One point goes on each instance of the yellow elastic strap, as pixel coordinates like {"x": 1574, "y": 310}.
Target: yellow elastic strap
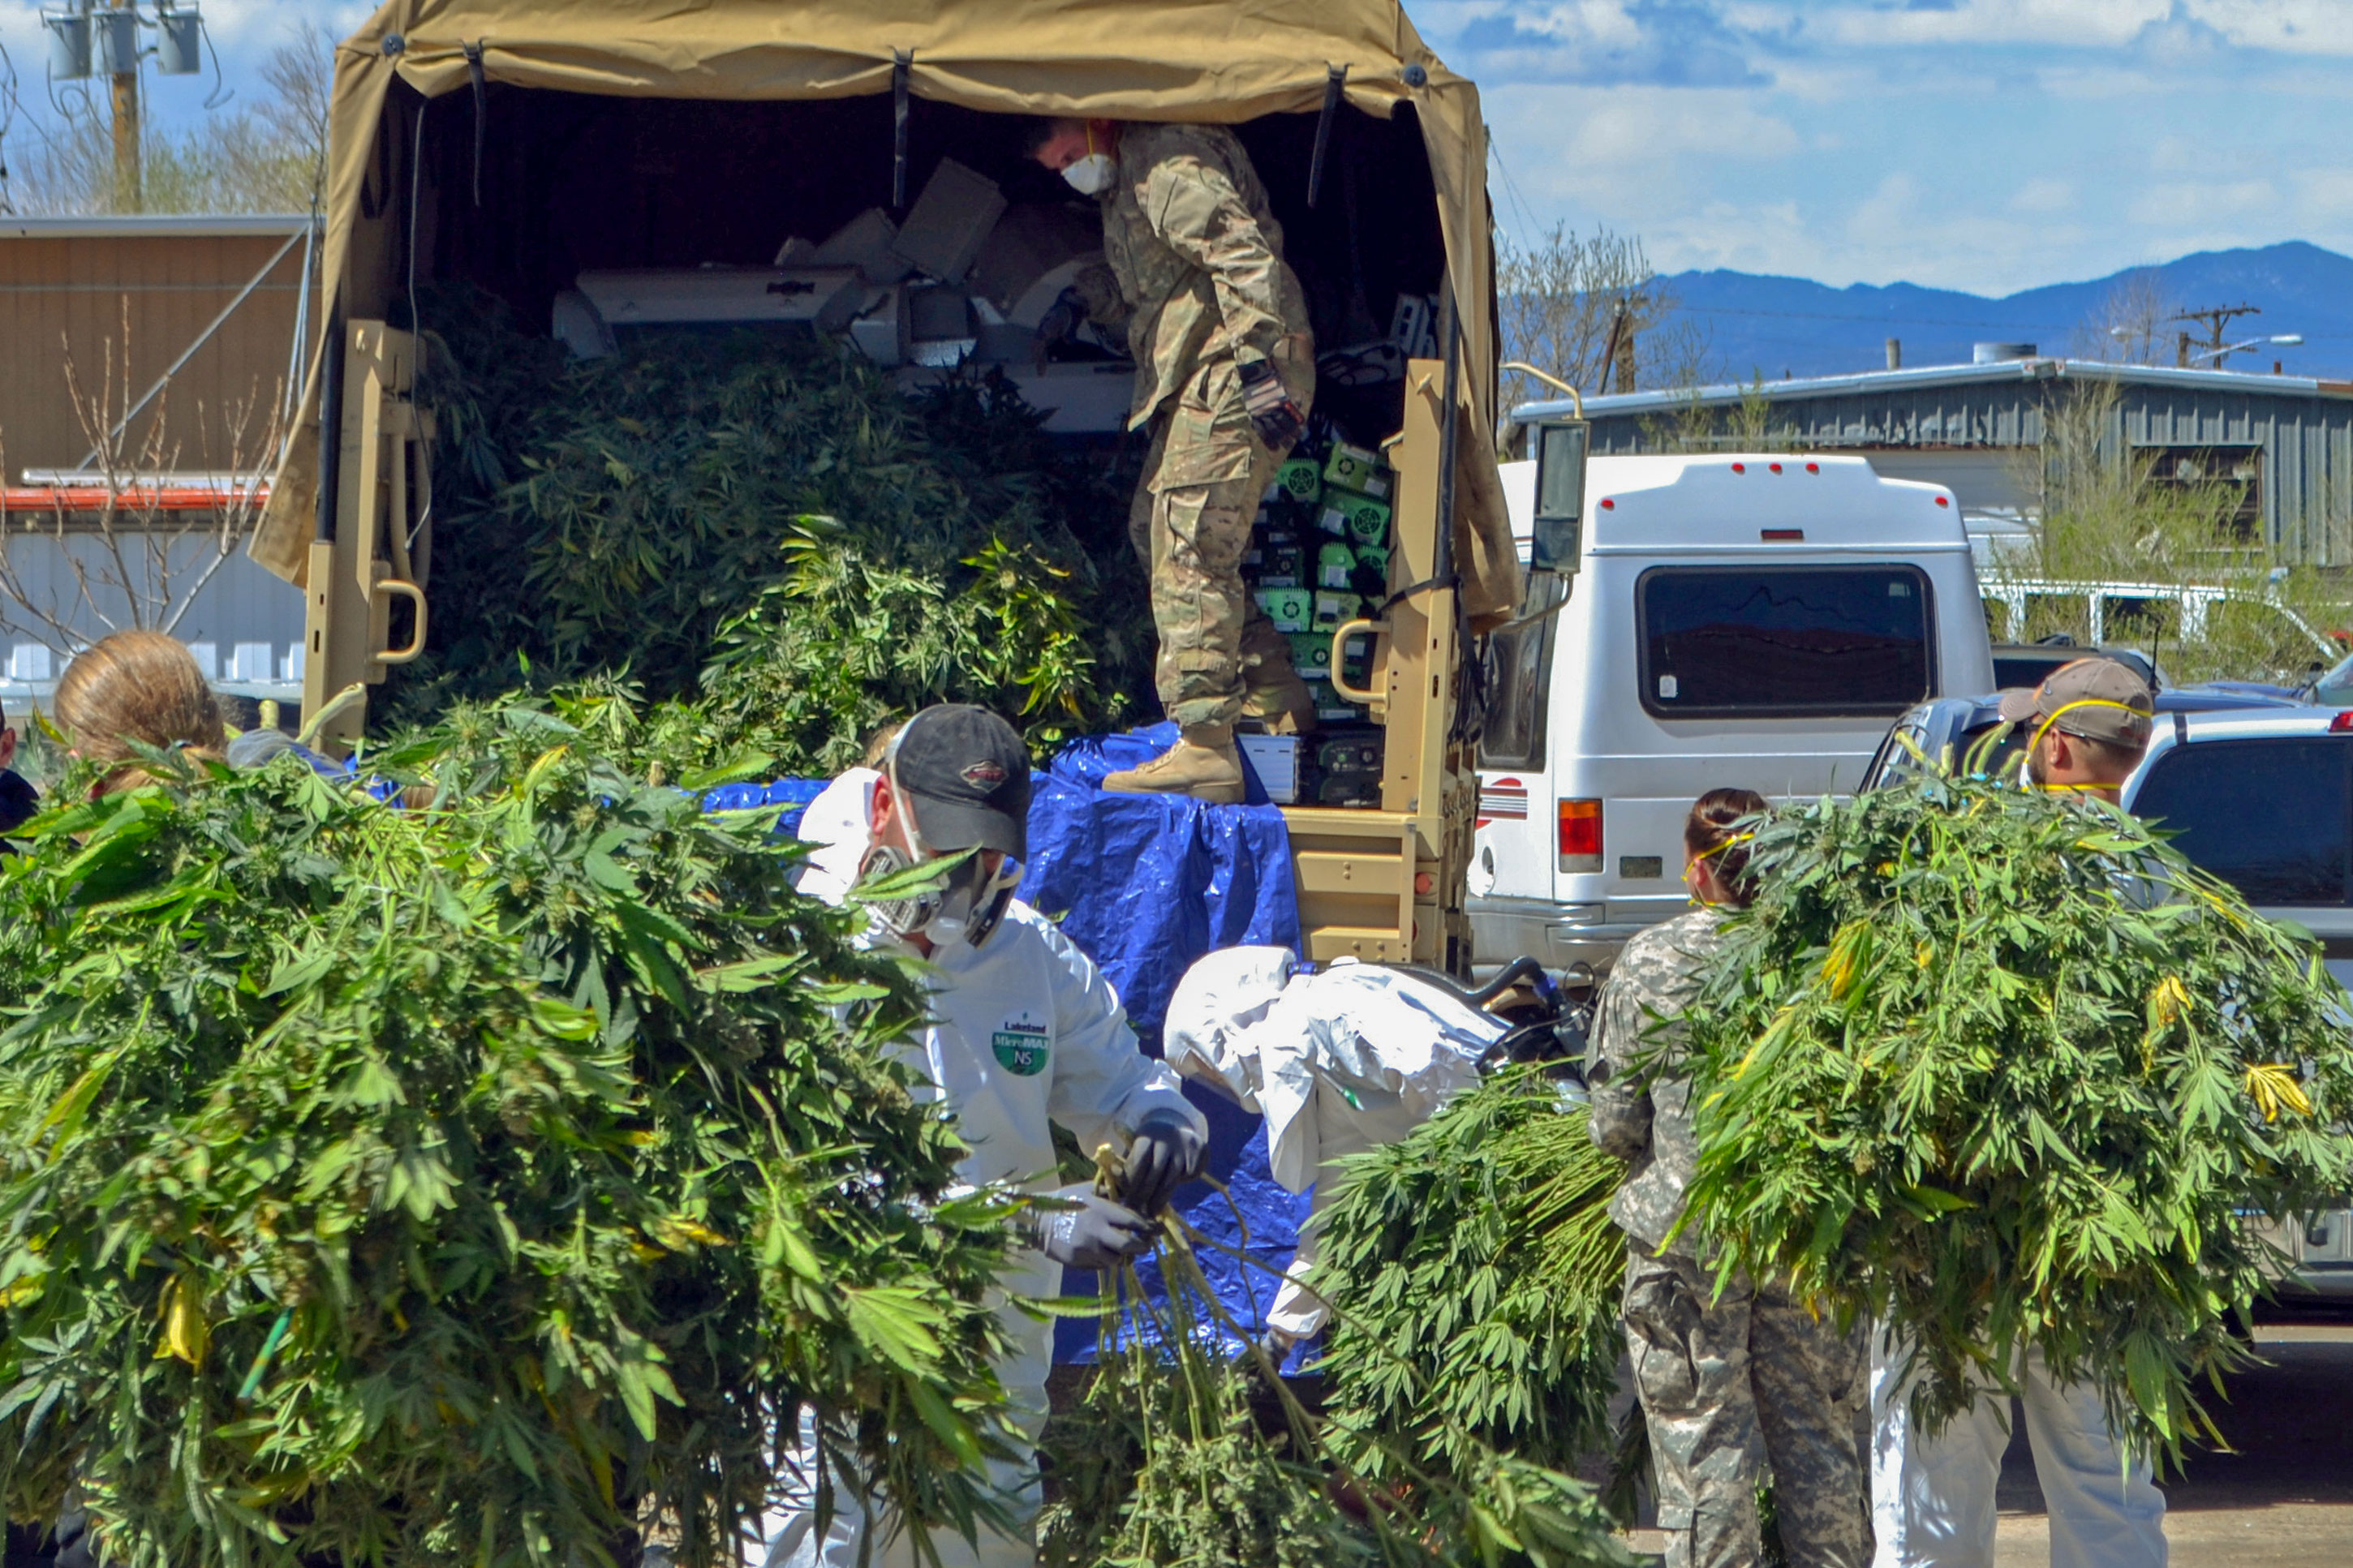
{"x": 1708, "y": 854}
{"x": 1736, "y": 838}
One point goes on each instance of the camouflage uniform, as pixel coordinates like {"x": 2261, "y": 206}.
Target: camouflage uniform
{"x": 1197, "y": 275}
{"x": 1716, "y": 1374}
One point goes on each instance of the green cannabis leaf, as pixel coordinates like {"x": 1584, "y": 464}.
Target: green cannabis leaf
{"x": 2002, "y": 1070}
{"x": 472, "y": 1181}
{"x": 1476, "y": 1274}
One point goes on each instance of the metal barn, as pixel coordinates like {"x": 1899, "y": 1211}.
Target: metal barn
{"x": 2287, "y": 441}
{"x": 187, "y": 325}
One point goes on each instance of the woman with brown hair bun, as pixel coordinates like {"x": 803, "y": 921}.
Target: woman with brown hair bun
{"x": 1714, "y": 1372}
{"x": 140, "y": 686}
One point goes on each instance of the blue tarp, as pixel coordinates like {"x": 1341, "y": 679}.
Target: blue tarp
{"x": 793, "y": 795}
{"x": 1145, "y": 885}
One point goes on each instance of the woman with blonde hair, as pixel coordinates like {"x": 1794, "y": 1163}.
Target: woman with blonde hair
{"x": 137, "y": 687}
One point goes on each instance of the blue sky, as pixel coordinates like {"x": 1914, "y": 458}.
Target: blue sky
{"x": 1980, "y": 144}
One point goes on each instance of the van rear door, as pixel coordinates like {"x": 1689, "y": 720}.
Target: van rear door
{"x": 1776, "y": 676}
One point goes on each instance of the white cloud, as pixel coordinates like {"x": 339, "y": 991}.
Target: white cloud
{"x": 2079, "y": 23}
{"x": 2044, "y": 194}
{"x": 1615, "y": 148}
{"x": 2175, "y": 203}
{"x": 2324, "y": 195}
{"x": 2289, "y": 27}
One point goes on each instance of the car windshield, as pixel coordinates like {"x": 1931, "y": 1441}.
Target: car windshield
{"x": 1896, "y": 760}
{"x": 2335, "y": 689}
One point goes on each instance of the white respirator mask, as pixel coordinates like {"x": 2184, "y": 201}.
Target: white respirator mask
{"x": 1093, "y": 174}
{"x": 967, "y": 905}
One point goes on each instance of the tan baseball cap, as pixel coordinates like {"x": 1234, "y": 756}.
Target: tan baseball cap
{"x": 2097, "y": 699}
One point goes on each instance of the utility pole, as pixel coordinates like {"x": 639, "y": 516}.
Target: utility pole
{"x": 127, "y": 195}
{"x": 2217, "y": 320}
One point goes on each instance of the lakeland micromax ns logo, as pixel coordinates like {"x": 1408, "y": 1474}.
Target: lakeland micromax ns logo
{"x": 1021, "y": 1045}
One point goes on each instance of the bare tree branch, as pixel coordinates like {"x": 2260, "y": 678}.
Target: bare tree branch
{"x": 132, "y": 562}
{"x": 1590, "y": 310}
{"x": 2129, "y": 325}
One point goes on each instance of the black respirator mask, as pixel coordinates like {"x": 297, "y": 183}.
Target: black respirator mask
{"x": 965, "y": 905}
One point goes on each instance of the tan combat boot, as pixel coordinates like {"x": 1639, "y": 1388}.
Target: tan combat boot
{"x": 1281, "y": 705}
{"x": 1203, "y": 764}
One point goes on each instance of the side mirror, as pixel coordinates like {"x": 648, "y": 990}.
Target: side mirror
{"x": 1561, "y": 450}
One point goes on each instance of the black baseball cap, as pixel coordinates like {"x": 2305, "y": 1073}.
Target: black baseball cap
{"x": 966, "y": 775}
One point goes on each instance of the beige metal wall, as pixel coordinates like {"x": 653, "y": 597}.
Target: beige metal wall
{"x": 65, "y": 286}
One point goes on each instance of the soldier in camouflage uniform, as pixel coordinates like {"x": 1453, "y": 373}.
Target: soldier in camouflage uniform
{"x": 1717, "y": 1376}
{"x": 1225, "y": 373}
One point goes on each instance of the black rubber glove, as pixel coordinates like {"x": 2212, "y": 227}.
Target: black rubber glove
{"x": 1059, "y": 324}
{"x": 1085, "y": 1231}
{"x": 1277, "y": 419}
{"x": 1164, "y": 1154}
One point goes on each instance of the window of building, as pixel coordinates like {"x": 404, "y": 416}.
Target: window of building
{"x": 1742, "y": 642}
{"x": 2238, "y": 471}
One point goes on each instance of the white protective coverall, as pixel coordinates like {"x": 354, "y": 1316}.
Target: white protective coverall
{"x": 1339, "y": 1062}
{"x": 1026, "y": 1029}
{"x": 1932, "y": 1498}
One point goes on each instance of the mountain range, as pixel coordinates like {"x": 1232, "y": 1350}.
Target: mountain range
{"x": 1760, "y": 325}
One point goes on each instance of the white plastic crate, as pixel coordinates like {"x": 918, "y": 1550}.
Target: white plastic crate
{"x": 1275, "y": 759}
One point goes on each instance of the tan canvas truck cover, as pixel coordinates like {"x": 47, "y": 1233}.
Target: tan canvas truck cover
{"x": 1219, "y": 61}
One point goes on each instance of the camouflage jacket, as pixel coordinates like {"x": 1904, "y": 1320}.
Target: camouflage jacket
{"x": 1196, "y": 259}
{"x": 1641, "y": 1104}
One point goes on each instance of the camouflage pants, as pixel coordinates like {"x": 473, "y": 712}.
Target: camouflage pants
{"x": 1715, "y": 1377}
{"x": 1190, "y": 525}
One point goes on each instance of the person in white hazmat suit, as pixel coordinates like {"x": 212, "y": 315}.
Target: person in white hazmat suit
{"x": 1339, "y": 1061}
{"x": 1933, "y": 1497}
{"x": 1025, "y": 1030}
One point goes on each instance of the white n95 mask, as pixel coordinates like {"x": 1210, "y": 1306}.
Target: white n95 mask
{"x": 1091, "y": 175}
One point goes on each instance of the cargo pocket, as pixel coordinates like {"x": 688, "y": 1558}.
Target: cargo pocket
{"x": 1209, "y": 440}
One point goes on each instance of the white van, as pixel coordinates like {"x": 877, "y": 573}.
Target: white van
{"x": 1733, "y": 619}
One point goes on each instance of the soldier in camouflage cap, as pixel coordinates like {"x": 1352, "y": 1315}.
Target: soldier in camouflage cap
{"x": 1225, "y": 373}
{"x": 1716, "y": 1374}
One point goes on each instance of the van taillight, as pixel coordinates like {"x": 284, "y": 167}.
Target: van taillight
{"x": 1580, "y": 835}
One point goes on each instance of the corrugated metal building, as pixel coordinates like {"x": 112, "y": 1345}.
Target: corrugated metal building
{"x": 72, "y": 284}
{"x": 216, "y": 303}
{"x": 1976, "y": 428}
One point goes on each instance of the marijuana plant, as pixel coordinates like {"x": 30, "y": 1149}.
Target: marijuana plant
{"x": 2002, "y": 1071}
{"x": 474, "y": 1179}
{"x": 1475, "y": 1275}
{"x": 775, "y": 523}
{"x": 1178, "y": 1456}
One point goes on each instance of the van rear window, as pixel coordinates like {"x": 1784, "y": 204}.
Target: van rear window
{"x": 1758, "y": 642}
{"x": 2273, "y": 818}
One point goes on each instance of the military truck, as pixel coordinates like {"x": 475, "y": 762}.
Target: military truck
{"x": 541, "y": 149}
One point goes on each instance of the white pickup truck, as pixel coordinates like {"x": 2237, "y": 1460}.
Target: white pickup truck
{"x": 1733, "y": 619}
